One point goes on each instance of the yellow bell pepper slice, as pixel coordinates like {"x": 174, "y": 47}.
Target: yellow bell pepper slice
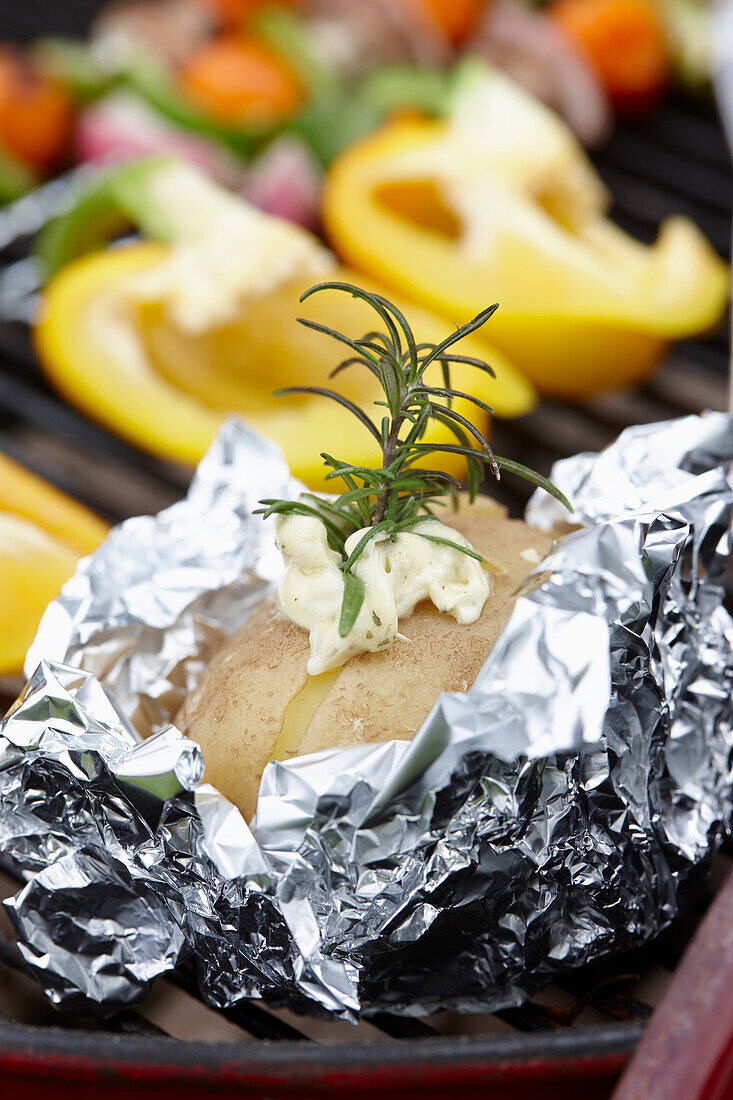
{"x": 34, "y": 567}
{"x": 42, "y": 534}
{"x": 499, "y": 203}
{"x": 128, "y": 365}
{"x": 31, "y": 497}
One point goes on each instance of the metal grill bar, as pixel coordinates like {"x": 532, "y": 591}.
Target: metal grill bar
{"x": 252, "y": 1019}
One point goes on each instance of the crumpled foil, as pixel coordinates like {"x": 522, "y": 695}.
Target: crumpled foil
{"x": 563, "y": 808}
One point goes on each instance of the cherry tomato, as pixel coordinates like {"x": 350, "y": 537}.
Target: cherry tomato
{"x": 624, "y": 42}
{"x": 455, "y": 19}
{"x": 237, "y": 79}
{"x": 234, "y": 13}
{"x": 36, "y": 113}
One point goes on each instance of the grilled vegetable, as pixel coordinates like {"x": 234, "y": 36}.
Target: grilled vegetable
{"x": 36, "y": 114}
{"x": 15, "y": 177}
{"x": 239, "y": 80}
{"x": 456, "y": 19}
{"x": 122, "y": 126}
{"x": 527, "y": 46}
{"x": 42, "y": 534}
{"x": 160, "y": 343}
{"x": 624, "y": 41}
{"x": 500, "y": 201}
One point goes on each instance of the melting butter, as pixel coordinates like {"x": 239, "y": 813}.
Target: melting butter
{"x": 225, "y": 251}
{"x": 299, "y": 712}
{"x": 397, "y": 574}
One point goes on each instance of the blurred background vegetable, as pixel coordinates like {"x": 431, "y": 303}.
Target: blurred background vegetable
{"x": 236, "y": 13}
{"x": 689, "y": 28}
{"x": 219, "y": 80}
{"x": 15, "y": 177}
{"x": 523, "y": 43}
{"x": 168, "y": 30}
{"x": 36, "y": 115}
{"x": 500, "y": 202}
{"x": 122, "y": 126}
{"x": 626, "y": 44}
{"x": 455, "y": 19}
{"x": 238, "y": 79}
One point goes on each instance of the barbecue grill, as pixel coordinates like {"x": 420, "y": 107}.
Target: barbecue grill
{"x": 574, "y": 1038}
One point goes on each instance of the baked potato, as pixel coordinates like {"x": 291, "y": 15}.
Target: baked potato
{"x": 256, "y": 701}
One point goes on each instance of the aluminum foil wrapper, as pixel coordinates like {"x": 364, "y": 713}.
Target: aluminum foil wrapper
{"x": 562, "y": 808}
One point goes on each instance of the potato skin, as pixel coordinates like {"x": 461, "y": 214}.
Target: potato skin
{"x": 237, "y": 710}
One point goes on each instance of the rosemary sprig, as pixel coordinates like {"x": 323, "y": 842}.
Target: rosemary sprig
{"x": 400, "y": 493}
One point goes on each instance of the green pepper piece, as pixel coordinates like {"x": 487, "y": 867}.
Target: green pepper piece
{"x": 328, "y": 125}
{"x": 394, "y": 87}
{"x": 291, "y": 37}
{"x": 334, "y": 115}
{"x": 15, "y": 177}
{"x": 110, "y": 202}
{"x": 72, "y": 64}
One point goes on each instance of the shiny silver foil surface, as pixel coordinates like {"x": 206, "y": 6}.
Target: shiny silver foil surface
{"x": 562, "y": 808}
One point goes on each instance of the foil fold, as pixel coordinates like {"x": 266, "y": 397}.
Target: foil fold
{"x": 564, "y": 807}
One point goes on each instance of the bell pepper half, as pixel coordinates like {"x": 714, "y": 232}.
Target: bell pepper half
{"x": 42, "y": 535}
{"x": 499, "y": 203}
{"x": 112, "y": 339}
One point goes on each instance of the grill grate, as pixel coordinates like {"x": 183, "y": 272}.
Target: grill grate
{"x": 672, "y": 162}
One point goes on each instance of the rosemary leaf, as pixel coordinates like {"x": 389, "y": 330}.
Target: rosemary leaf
{"x": 447, "y": 542}
{"x": 479, "y": 320}
{"x": 374, "y": 300}
{"x": 536, "y": 479}
{"x": 326, "y": 331}
{"x": 298, "y": 508}
{"x": 439, "y": 391}
{"x": 402, "y": 491}
{"x": 339, "y": 398}
{"x": 354, "y": 591}
{"x": 353, "y": 361}
{"x": 363, "y": 542}
{"x": 447, "y": 415}
{"x": 469, "y": 360}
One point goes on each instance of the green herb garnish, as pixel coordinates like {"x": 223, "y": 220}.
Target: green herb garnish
{"x": 399, "y": 494}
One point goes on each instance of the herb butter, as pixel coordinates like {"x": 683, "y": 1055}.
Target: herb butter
{"x": 398, "y": 572}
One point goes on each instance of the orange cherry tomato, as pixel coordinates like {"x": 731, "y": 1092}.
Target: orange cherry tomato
{"x": 624, "y": 42}
{"x": 241, "y": 80}
{"x": 454, "y": 19}
{"x": 36, "y": 113}
{"x": 234, "y": 13}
